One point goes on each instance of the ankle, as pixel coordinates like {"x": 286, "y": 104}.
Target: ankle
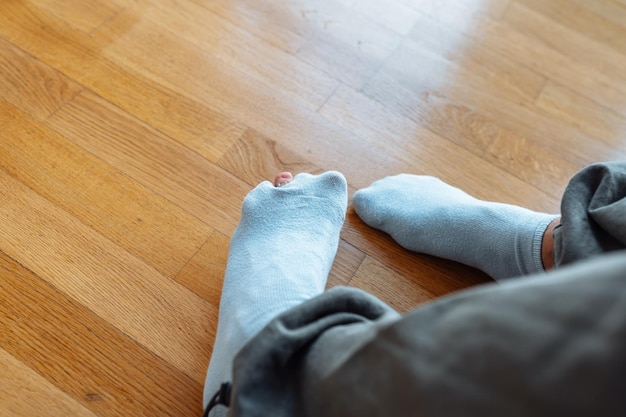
{"x": 547, "y": 246}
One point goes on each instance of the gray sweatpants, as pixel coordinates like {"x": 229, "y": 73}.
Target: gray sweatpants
{"x": 552, "y": 344}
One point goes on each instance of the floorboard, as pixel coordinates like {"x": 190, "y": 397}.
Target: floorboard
{"x": 130, "y": 133}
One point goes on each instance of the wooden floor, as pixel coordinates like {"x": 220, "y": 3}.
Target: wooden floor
{"x": 131, "y": 130}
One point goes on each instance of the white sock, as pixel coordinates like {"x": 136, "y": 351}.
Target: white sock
{"x": 426, "y": 215}
{"x": 280, "y": 256}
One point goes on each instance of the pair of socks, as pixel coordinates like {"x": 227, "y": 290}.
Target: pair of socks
{"x": 286, "y": 241}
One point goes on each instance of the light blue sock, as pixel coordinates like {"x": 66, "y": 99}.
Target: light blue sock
{"x": 280, "y": 256}
{"x": 426, "y": 215}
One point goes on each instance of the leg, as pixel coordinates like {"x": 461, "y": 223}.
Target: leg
{"x": 547, "y": 245}
{"x": 426, "y": 215}
{"x": 280, "y": 256}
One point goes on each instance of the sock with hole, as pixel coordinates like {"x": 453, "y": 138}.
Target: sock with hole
{"x": 280, "y": 256}
{"x": 426, "y": 215}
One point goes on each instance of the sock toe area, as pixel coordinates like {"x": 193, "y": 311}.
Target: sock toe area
{"x": 376, "y": 204}
{"x": 330, "y": 184}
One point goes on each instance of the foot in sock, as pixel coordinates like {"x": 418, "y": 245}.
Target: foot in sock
{"x": 279, "y": 257}
{"x": 426, "y": 215}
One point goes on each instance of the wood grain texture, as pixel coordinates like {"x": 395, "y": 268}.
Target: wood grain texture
{"x": 30, "y": 85}
{"x": 85, "y": 15}
{"x": 256, "y": 158}
{"x": 437, "y": 276}
{"x": 131, "y": 131}
{"x": 85, "y": 356}
{"x": 66, "y": 49}
{"x": 24, "y": 393}
{"x": 204, "y": 273}
{"x": 152, "y": 309}
{"x": 147, "y": 225}
{"x": 584, "y": 114}
{"x": 153, "y": 159}
{"x": 582, "y": 18}
{"x": 396, "y": 290}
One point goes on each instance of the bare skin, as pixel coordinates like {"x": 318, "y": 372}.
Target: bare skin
{"x": 547, "y": 246}
{"x": 283, "y": 178}
{"x": 547, "y": 243}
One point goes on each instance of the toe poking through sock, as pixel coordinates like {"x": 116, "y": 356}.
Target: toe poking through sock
{"x": 283, "y": 179}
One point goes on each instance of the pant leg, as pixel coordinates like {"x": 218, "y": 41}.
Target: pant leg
{"x": 593, "y": 210}
{"x": 548, "y": 345}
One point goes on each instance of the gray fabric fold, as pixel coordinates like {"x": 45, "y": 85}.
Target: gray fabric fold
{"x": 593, "y": 210}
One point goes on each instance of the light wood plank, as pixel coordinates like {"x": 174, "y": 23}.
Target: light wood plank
{"x": 204, "y": 273}
{"x": 264, "y": 110}
{"x": 143, "y": 223}
{"x": 152, "y": 159}
{"x": 463, "y": 12}
{"x": 31, "y": 85}
{"x": 406, "y": 139}
{"x": 86, "y": 15}
{"x": 333, "y": 20}
{"x": 66, "y": 49}
{"x": 491, "y": 115}
{"x": 25, "y": 393}
{"x": 537, "y": 52}
{"x": 336, "y": 42}
{"x": 225, "y": 45}
{"x": 392, "y": 288}
{"x": 580, "y": 18}
{"x": 158, "y": 313}
{"x": 390, "y": 14}
{"x": 347, "y": 262}
{"x": 208, "y": 55}
{"x": 584, "y": 114}
{"x": 612, "y": 10}
{"x": 474, "y": 66}
{"x": 605, "y": 63}
{"x": 258, "y": 20}
{"x": 98, "y": 367}
{"x": 420, "y": 69}
{"x": 255, "y": 158}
